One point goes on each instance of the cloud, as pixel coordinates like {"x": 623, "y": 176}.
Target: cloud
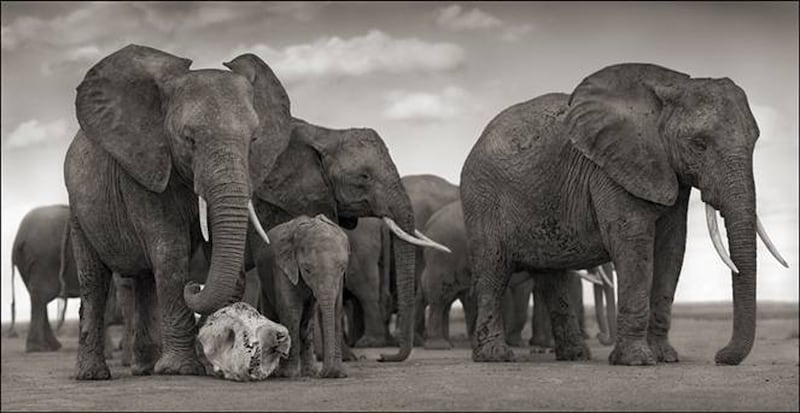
{"x": 78, "y": 58}
{"x": 454, "y": 18}
{"x": 374, "y": 52}
{"x": 447, "y": 104}
{"x": 34, "y": 132}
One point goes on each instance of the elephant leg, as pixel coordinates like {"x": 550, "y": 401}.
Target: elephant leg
{"x": 632, "y": 250}
{"x": 436, "y": 336}
{"x": 144, "y": 348}
{"x": 419, "y": 319}
{"x": 576, "y": 295}
{"x": 126, "y": 302}
{"x": 516, "y": 309}
{"x": 178, "y": 327}
{"x": 669, "y": 249}
{"x": 470, "y": 312}
{"x": 604, "y": 335}
{"x": 445, "y": 320}
{"x": 40, "y": 335}
{"x": 569, "y": 342}
{"x": 492, "y": 271}
{"x": 110, "y": 319}
{"x": 308, "y": 364}
{"x": 94, "y": 278}
{"x": 368, "y": 296}
{"x": 291, "y": 311}
{"x": 541, "y": 328}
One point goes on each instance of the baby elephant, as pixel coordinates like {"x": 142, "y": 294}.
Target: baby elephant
{"x": 312, "y": 254}
{"x": 240, "y": 344}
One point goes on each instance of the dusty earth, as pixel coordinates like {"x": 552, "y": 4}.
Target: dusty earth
{"x": 449, "y": 380}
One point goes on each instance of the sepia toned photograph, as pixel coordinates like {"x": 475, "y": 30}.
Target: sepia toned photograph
{"x": 399, "y": 206}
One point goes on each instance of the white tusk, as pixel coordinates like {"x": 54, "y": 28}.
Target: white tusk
{"x": 412, "y": 240}
{"x": 713, "y": 231}
{"x": 606, "y": 278}
{"x": 424, "y": 237}
{"x": 256, "y": 223}
{"x": 203, "y": 208}
{"x": 589, "y": 276}
{"x": 762, "y": 233}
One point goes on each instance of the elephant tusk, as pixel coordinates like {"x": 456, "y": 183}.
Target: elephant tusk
{"x": 203, "y": 209}
{"x": 424, "y": 237}
{"x": 713, "y": 231}
{"x": 413, "y": 240}
{"x": 606, "y": 278}
{"x": 588, "y": 276}
{"x": 762, "y": 233}
{"x": 256, "y": 223}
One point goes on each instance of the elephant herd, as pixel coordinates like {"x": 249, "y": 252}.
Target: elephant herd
{"x": 302, "y": 225}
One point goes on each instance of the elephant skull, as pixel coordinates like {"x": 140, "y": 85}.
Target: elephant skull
{"x": 237, "y": 343}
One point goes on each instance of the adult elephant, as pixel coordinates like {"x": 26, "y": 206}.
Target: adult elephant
{"x": 373, "y": 245}
{"x": 156, "y": 136}
{"x": 346, "y": 175}
{"x": 563, "y": 182}
{"x": 42, "y": 253}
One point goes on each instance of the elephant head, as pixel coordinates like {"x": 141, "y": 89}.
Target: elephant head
{"x": 652, "y": 130}
{"x": 203, "y": 129}
{"x": 347, "y": 174}
{"x": 317, "y": 251}
{"x": 240, "y": 344}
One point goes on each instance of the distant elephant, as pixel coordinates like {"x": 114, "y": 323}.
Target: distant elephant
{"x": 237, "y": 343}
{"x": 310, "y": 261}
{"x": 427, "y": 193}
{"x": 165, "y": 157}
{"x": 346, "y": 175}
{"x": 574, "y": 181}
{"x": 42, "y": 252}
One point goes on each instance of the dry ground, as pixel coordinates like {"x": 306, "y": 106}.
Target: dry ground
{"x": 448, "y": 380}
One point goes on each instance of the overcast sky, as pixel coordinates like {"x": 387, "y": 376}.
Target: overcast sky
{"x": 426, "y": 76}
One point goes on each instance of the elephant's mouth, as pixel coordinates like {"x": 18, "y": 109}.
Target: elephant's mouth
{"x": 348, "y": 222}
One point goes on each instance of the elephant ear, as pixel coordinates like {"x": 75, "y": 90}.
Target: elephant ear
{"x": 119, "y": 107}
{"x": 283, "y": 249}
{"x": 272, "y": 105}
{"x": 613, "y": 119}
{"x": 297, "y": 183}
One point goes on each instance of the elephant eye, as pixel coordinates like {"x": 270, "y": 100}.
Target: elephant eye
{"x": 364, "y": 176}
{"x": 698, "y": 143}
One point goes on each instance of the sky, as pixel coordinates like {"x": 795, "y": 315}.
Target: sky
{"x": 427, "y": 76}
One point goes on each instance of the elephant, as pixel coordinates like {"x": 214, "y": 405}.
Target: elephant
{"x": 166, "y": 157}
{"x": 238, "y": 343}
{"x": 43, "y": 254}
{"x": 605, "y": 312}
{"x": 604, "y": 174}
{"x": 346, "y": 175}
{"x": 373, "y": 251}
{"x": 310, "y": 261}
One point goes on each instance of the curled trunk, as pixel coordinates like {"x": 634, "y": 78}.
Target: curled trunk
{"x": 228, "y": 215}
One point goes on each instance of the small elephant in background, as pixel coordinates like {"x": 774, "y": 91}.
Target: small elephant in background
{"x": 310, "y": 261}
{"x": 238, "y": 343}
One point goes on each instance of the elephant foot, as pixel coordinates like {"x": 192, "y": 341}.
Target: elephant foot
{"x": 142, "y": 369}
{"x": 310, "y": 370}
{"x": 335, "y": 372}
{"x": 12, "y": 334}
{"x": 632, "y": 352}
{"x": 514, "y": 340}
{"x": 36, "y": 347}
{"x": 95, "y": 369}
{"x": 605, "y": 339}
{"x": 348, "y": 354}
{"x": 288, "y": 369}
{"x": 493, "y": 351}
{"x": 419, "y": 340}
{"x": 541, "y": 349}
{"x": 126, "y": 358}
{"x": 371, "y": 341}
{"x": 573, "y": 352}
{"x": 437, "y": 344}
{"x": 662, "y": 350}
{"x": 179, "y": 364}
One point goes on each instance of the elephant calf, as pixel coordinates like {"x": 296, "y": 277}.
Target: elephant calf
{"x": 312, "y": 253}
{"x": 238, "y": 343}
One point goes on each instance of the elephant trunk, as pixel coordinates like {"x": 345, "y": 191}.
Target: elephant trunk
{"x": 228, "y": 198}
{"x": 404, "y": 254}
{"x": 739, "y": 211}
{"x": 331, "y": 359}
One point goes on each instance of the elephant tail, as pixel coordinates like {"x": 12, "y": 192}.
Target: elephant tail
{"x": 62, "y": 268}
{"x": 11, "y": 332}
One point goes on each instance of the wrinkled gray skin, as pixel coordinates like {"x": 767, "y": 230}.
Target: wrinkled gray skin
{"x": 310, "y": 261}
{"x": 346, "y": 175}
{"x": 154, "y": 137}
{"x": 238, "y": 343}
{"x": 42, "y": 253}
{"x": 605, "y": 174}
{"x": 427, "y": 193}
